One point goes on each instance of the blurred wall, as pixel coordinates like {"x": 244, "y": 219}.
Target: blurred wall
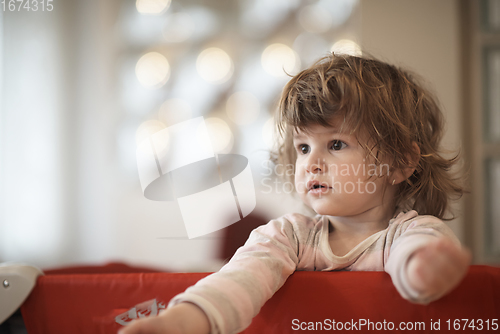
{"x": 64, "y": 194}
{"x": 33, "y": 174}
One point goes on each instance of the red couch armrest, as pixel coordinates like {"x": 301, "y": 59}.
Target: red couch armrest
{"x": 61, "y": 304}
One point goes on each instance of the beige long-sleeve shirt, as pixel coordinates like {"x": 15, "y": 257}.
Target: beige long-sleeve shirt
{"x": 235, "y": 294}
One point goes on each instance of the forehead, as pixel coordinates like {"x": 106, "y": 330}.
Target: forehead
{"x": 337, "y": 125}
{"x": 316, "y": 129}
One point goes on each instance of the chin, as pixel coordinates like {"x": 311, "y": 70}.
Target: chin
{"x": 325, "y": 211}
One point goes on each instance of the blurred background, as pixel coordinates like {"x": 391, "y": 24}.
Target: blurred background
{"x": 83, "y": 82}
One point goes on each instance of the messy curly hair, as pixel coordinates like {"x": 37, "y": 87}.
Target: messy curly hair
{"x": 391, "y": 107}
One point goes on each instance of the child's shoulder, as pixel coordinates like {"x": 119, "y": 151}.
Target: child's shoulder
{"x": 296, "y": 223}
{"x": 412, "y": 219}
{"x": 302, "y": 221}
{"x": 411, "y": 222}
{"x": 294, "y": 227}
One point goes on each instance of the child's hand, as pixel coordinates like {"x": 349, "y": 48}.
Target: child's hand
{"x": 184, "y": 318}
{"x": 438, "y": 267}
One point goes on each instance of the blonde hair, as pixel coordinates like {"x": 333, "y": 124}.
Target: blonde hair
{"x": 391, "y": 106}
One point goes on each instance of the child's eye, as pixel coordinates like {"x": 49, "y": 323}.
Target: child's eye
{"x": 304, "y": 149}
{"x": 338, "y": 145}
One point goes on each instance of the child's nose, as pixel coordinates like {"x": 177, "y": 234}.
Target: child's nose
{"x": 315, "y": 164}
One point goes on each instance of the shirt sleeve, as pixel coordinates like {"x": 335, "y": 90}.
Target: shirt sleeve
{"x": 406, "y": 238}
{"x": 233, "y": 296}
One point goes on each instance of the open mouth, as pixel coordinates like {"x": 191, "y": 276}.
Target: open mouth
{"x": 316, "y": 186}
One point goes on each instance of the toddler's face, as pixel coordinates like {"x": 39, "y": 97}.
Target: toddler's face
{"x": 332, "y": 174}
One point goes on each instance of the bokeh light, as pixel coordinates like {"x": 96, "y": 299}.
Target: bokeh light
{"x": 220, "y": 134}
{"x": 214, "y": 65}
{"x": 346, "y": 46}
{"x": 279, "y": 59}
{"x": 152, "y": 7}
{"x": 152, "y": 70}
{"x": 242, "y": 108}
{"x": 174, "y": 111}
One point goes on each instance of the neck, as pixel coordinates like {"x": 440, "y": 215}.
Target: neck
{"x": 365, "y": 223}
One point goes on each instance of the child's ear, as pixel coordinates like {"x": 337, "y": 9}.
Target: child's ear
{"x": 400, "y": 175}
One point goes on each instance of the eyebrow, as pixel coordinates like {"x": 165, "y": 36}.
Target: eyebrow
{"x": 297, "y": 136}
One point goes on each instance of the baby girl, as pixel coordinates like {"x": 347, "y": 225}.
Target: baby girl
{"x": 363, "y": 137}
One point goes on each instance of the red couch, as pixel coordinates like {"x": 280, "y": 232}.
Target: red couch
{"x": 356, "y": 301}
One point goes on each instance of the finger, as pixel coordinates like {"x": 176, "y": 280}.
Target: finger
{"x": 142, "y": 326}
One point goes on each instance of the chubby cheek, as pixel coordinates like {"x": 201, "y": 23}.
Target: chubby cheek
{"x": 300, "y": 182}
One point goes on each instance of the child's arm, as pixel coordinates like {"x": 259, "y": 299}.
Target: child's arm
{"x": 230, "y": 298}
{"x": 185, "y": 318}
{"x": 426, "y": 260}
